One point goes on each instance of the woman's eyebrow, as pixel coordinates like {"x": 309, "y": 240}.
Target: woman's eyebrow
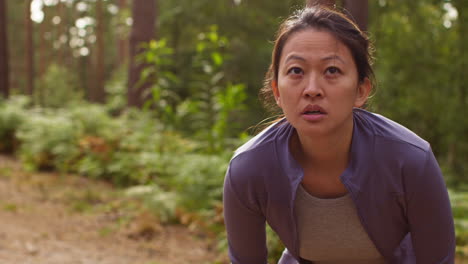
{"x": 333, "y": 57}
{"x": 297, "y": 57}
{"x": 294, "y": 57}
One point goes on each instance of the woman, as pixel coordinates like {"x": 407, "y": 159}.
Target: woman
{"x": 337, "y": 184}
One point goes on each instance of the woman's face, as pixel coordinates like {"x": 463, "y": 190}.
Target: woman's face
{"x": 318, "y": 85}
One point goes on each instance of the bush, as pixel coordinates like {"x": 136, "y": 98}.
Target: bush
{"x": 93, "y": 119}
{"x": 116, "y": 91}
{"x": 58, "y": 88}
{"x": 12, "y": 115}
{"x": 181, "y": 182}
{"x": 201, "y": 103}
{"x": 49, "y": 139}
{"x": 164, "y": 203}
{"x": 197, "y": 178}
{"x": 459, "y": 202}
{"x": 126, "y": 150}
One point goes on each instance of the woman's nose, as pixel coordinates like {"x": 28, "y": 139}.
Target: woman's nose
{"x": 313, "y": 88}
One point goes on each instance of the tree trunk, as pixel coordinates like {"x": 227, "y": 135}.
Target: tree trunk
{"x": 97, "y": 93}
{"x": 143, "y": 30}
{"x": 29, "y": 49}
{"x": 460, "y": 150}
{"x": 4, "y": 69}
{"x": 358, "y": 11}
{"x": 42, "y": 48}
{"x": 60, "y": 30}
{"x": 329, "y": 3}
{"x": 462, "y": 8}
{"x": 89, "y": 64}
{"x": 122, "y": 42}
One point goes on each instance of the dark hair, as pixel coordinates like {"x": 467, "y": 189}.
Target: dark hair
{"x": 320, "y": 18}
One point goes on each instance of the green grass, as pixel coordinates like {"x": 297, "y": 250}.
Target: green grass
{"x": 6, "y": 173}
{"x": 10, "y": 207}
{"x": 459, "y": 202}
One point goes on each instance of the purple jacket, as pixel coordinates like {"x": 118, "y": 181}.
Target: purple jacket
{"x": 392, "y": 177}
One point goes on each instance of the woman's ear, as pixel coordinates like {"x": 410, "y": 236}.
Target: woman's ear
{"x": 274, "y": 87}
{"x": 364, "y": 89}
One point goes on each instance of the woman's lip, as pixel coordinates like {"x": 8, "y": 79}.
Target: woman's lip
{"x": 313, "y": 108}
{"x": 313, "y": 117}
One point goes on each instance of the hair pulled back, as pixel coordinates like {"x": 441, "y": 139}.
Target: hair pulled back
{"x": 324, "y": 19}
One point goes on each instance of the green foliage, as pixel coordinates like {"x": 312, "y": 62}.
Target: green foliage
{"x": 11, "y": 117}
{"x": 130, "y": 149}
{"x": 57, "y": 88}
{"x": 48, "y": 140}
{"x": 93, "y": 119}
{"x": 248, "y": 25}
{"x": 213, "y": 100}
{"x": 98, "y": 139}
{"x": 459, "y": 202}
{"x": 164, "y": 93}
{"x": 116, "y": 91}
{"x": 164, "y": 203}
{"x": 205, "y": 90}
{"x": 417, "y": 68}
{"x": 197, "y": 178}
{"x": 207, "y": 113}
{"x": 10, "y": 207}
{"x": 177, "y": 179}
{"x": 274, "y": 245}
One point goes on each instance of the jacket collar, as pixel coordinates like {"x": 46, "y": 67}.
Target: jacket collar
{"x": 360, "y": 154}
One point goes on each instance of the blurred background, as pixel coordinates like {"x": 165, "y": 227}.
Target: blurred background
{"x": 153, "y": 96}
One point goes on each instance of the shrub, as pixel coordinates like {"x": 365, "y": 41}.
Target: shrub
{"x": 116, "y": 91}
{"x": 12, "y": 115}
{"x": 93, "y": 119}
{"x": 58, "y": 88}
{"x": 49, "y": 139}
{"x": 197, "y": 178}
{"x": 459, "y": 202}
{"x": 163, "y": 203}
{"x": 200, "y": 103}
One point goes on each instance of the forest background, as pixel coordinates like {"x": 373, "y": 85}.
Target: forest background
{"x": 158, "y": 94}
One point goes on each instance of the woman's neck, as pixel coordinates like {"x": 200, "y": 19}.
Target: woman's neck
{"x": 329, "y": 151}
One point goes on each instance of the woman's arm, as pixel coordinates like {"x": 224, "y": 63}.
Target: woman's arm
{"x": 245, "y": 226}
{"x": 430, "y": 216}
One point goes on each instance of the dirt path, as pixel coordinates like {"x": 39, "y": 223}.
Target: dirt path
{"x": 46, "y": 218}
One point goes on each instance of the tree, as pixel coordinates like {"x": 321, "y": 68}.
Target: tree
{"x": 4, "y": 70}
{"x": 419, "y": 66}
{"x": 29, "y": 49}
{"x": 143, "y": 30}
{"x": 462, "y": 8}
{"x": 458, "y": 146}
{"x": 122, "y": 42}
{"x": 97, "y": 93}
{"x": 358, "y": 11}
{"x": 42, "y": 48}
{"x": 60, "y": 29}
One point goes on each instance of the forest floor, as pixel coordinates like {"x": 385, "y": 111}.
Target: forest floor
{"x": 48, "y": 218}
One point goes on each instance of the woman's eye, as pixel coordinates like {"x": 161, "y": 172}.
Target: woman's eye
{"x": 333, "y": 70}
{"x": 295, "y": 70}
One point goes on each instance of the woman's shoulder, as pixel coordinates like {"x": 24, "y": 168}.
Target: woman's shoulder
{"x": 264, "y": 141}
{"x": 259, "y": 155}
{"x": 389, "y": 132}
{"x": 394, "y": 149}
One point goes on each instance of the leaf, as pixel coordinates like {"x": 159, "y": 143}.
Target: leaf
{"x": 200, "y": 47}
{"x": 217, "y": 58}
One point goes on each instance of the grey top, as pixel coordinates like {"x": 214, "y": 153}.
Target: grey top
{"x": 330, "y": 232}
{"x": 392, "y": 177}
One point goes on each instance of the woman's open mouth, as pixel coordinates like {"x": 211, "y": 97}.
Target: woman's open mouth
{"x": 313, "y": 113}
